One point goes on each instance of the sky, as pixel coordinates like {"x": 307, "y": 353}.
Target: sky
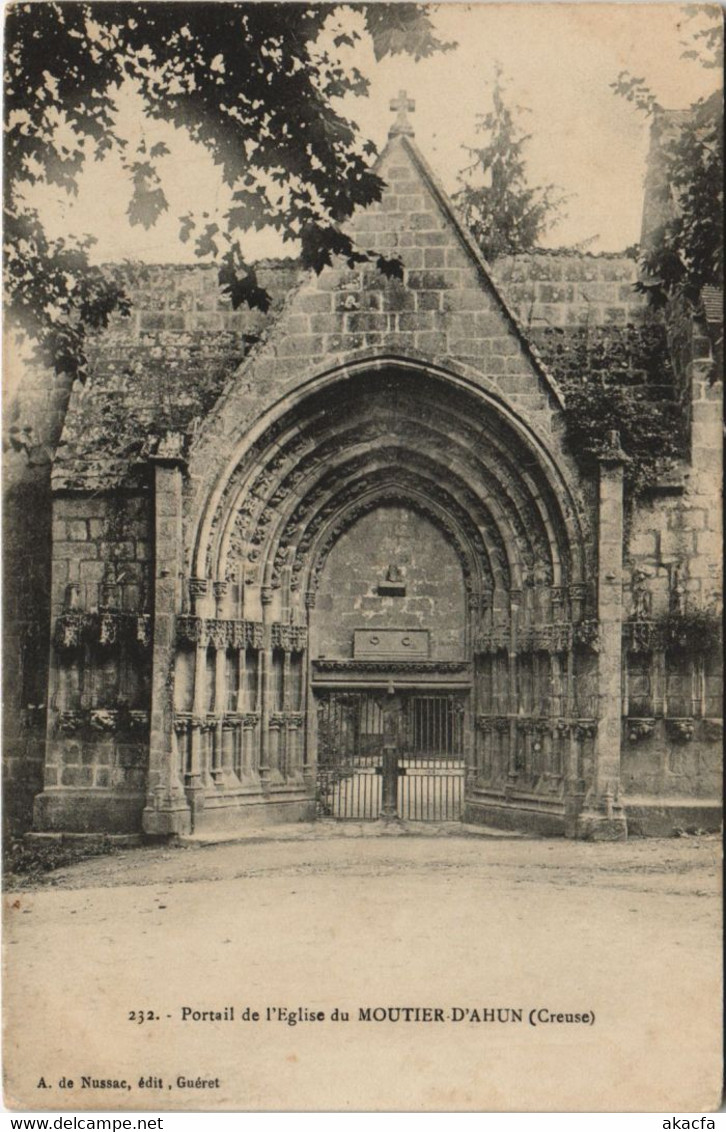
{"x": 558, "y": 60}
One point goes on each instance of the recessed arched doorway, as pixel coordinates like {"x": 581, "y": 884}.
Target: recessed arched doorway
{"x": 391, "y": 668}
{"x": 393, "y": 561}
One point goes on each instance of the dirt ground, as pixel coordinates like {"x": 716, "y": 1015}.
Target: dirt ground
{"x": 628, "y": 933}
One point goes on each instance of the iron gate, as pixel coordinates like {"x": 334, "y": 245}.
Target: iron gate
{"x": 424, "y": 734}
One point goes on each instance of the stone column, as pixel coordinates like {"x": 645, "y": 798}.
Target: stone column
{"x": 515, "y": 601}
{"x": 166, "y": 812}
{"x": 265, "y": 676}
{"x": 391, "y": 746}
{"x": 309, "y": 738}
{"x": 603, "y": 818}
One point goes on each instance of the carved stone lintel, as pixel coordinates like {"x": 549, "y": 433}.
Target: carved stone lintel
{"x": 384, "y": 666}
{"x": 535, "y": 725}
{"x": 554, "y": 638}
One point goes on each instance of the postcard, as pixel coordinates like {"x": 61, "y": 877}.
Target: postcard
{"x": 362, "y": 504}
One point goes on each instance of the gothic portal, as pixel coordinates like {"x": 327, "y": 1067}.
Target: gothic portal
{"x": 359, "y": 571}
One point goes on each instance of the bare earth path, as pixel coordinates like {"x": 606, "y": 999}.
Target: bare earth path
{"x": 629, "y": 933}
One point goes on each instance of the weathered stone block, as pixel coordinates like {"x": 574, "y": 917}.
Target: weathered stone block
{"x": 314, "y": 302}
{"x": 363, "y": 322}
{"x": 709, "y": 544}
{"x": 77, "y": 776}
{"x": 399, "y": 299}
{"x": 115, "y": 550}
{"x": 428, "y": 300}
{"x": 75, "y": 551}
{"x": 325, "y": 323}
{"x": 431, "y": 342}
{"x": 642, "y": 544}
{"x": 464, "y": 299}
{"x": 300, "y": 345}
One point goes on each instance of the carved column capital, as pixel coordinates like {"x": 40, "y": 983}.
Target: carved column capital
{"x": 198, "y": 587}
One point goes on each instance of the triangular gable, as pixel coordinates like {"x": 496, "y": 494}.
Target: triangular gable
{"x": 434, "y": 186}
{"x": 446, "y": 312}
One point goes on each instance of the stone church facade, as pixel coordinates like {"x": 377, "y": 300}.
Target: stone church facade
{"x": 369, "y": 493}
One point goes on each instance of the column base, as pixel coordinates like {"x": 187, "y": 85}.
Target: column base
{"x": 593, "y": 826}
{"x": 166, "y": 821}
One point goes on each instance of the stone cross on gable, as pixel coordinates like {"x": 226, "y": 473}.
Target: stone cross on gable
{"x": 403, "y": 104}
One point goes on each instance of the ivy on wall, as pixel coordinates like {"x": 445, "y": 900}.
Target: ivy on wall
{"x": 618, "y": 377}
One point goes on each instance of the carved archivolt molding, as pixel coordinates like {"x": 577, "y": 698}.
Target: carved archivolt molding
{"x": 355, "y": 512}
{"x": 328, "y": 498}
{"x": 467, "y": 447}
{"x": 430, "y": 454}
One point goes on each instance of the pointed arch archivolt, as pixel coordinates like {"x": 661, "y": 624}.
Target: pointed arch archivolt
{"x": 399, "y": 427}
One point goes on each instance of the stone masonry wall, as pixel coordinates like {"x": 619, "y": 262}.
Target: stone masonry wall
{"x": 32, "y": 413}
{"x": 442, "y": 312}
{"x": 348, "y": 596}
{"x": 186, "y": 362}
{"x": 673, "y": 561}
{"x": 159, "y": 370}
{"x": 98, "y": 723}
{"x": 562, "y": 289}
